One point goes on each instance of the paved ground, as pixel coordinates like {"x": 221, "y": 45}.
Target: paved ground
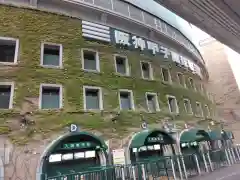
{"x": 229, "y": 173}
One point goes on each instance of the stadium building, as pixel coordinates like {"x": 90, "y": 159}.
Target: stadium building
{"x": 105, "y": 65}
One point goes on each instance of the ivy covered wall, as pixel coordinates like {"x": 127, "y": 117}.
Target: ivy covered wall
{"x": 32, "y": 27}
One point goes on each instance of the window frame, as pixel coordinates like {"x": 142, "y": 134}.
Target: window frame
{"x": 60, "y": 95}
{"x": 10, "y": 106}
{"x": 169, "y": 75}
{"x": 208, "y": 110}
{"x": 151, "y": 77}
{"x": 97, "y": 60}
{"x": 131, "y": 99}
{"x": 15, "y": 61}
{"x": 156, "y": 100}
{"x": 126, "y": 65}
{"x": 191, "y": 110}
{"x": 199, "y": 115}
{"x": 176, "y": 103}
{"x": 184, "y": 81}
{"x": 202, "y": 88}
{"x": 194, "y": 86}
{"x": 60, "y": 59}
{"x": 100, "y": 98}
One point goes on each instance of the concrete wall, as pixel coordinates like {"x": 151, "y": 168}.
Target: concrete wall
{"x": 223, "y": 66}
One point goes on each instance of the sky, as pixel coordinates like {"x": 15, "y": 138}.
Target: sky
{"x": 198, "y": 34}
{"x": 151, "y": 6}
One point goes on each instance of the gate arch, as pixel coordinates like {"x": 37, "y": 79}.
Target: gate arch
{"x": 70, "y": 143}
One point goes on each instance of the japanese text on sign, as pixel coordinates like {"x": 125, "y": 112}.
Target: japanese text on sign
{"x": 126, "y": 39}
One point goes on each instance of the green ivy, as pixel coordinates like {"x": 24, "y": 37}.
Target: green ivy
{"x": 32, "y": 27}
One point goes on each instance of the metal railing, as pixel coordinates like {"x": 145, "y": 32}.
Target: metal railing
{"x": 167, "y": 167}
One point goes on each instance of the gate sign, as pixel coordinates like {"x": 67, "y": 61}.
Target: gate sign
{"x": 157, "y": 139}
{"x": 73, "y": 128}
{"x": 79, "y": 145}
{"x": 118, "y": 157}
{"x": 144, "y": 125}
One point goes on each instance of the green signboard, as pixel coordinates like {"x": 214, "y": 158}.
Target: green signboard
{"x": 80, "y": 145}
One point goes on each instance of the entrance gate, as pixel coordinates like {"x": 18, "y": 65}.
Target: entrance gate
{"x": 72, "y": 153}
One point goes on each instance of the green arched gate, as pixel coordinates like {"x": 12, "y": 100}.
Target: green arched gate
{"x": 150, "y": 144}
{"x": 189, "y": 140}
{"x": 74, "y": 152}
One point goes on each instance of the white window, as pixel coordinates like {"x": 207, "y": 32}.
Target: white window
{"x": 6, "y": 95}
{"x": 152, "y": 102}
{"x": 121, "y": 65}
{"x": 172, "y": 104}
{"x": 90, "y": 60}
{"x": 50, "y": 96}
{"x": 93, "y": 99}
{"x": 8, "y": 50}
{"x": 207, "y": 111}
{"x": 166, "y": 75}
{"x": 51, "y": 55}
{"x": 199, "y": 111}
{"x": 191, "y": 83}
{"x": 146, "y": 70}
{"x": 187, "y": 106}
{"x": 126, "y": 99}
{"x": 181, "y": 79}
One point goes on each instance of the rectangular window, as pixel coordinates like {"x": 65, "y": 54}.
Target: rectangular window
{"x": 207, "y": 111}
{"x": 90, "y": 60}
{"x": 146, "y": 70}
{"x": 50, "y": 96}
{"x": 166, "y": 75}
{"x": 172, "y": 104}
{"x": 92, "y": 98}
{"x": 8, "y": 50}
{"x": 6, "y": 95}
{"x": 202, "y": 88}
{"x": 187, "y": 106}
{"x": 152, "y": 102}
{"x": 126, "y": 100}
{"x": 121, "y": 65}
{"x": 199, "y": 111}
{"x": 191, "y": 83}
{"x": 181, "y": 79}
{"x": 51, "y": 55}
